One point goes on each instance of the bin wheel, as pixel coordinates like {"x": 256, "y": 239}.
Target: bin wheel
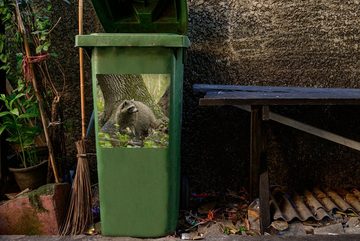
{"x": 184, "y": 193}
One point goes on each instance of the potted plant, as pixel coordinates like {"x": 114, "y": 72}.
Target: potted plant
{"x": 34, "y": 106}
{"x": 18, "y": 118}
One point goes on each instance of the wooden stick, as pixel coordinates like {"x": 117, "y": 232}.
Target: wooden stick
{"x": 327, "y": 135}
{"x": 315, "y": 131}
{"x": 264, "y": 200}
{"x": 44, "y": 119}
{"x": 256, "y": 140}
{"x": 81, "y": 69}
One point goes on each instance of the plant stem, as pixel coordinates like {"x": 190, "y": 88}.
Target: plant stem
{"x": 38, "y": 96}
{"x": 39, "y": 139}
{"x": 22, "y": 150}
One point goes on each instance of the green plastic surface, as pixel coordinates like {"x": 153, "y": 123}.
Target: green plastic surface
{"x": 128, "y": 40}
{"x": 142, "y": 16}
{"x": 139, "y": 187}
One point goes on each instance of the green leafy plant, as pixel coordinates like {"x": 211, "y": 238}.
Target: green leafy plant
{"x": 6, "y": 19}
{"x": 118, "y": 140}
{"x": 25, "y": 53}
{"x": 18, "y": 109}
{"x": 156, "y": 139}
{"x": 18, "y": 117}
{"x": 105, "y": 140}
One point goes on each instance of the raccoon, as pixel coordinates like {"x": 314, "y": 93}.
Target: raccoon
{"x": 136, "y": 116}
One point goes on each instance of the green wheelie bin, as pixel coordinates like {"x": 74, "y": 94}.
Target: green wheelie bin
{"x": 137, "y": 83}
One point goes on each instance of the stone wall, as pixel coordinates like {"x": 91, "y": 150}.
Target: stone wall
{"x": 279, "y": 43}
{"x": 63, "y": 39}
{"x": 248, "y": 42}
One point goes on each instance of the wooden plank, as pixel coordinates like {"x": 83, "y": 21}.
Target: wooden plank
{"x": 258, "y": 95}
{"x": 204, "y": 88}
{"x": 244, "y": 107}
{"x": 264, "y": 200}
{"x": 255, "y": 98}
{"x": 268, "y": 95}
{"x": 224, "y": 102}
{"x": 255, "y": 149}
{"x": 315, "y": 131}
{"x": 308, "y": 128}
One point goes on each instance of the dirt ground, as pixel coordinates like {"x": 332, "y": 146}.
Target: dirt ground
{"x": 213, "y": 238}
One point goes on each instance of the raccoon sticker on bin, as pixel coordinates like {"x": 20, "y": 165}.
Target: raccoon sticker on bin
{"x": 133, "y": 122}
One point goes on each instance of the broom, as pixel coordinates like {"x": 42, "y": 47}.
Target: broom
{"x": 79, "y": 215}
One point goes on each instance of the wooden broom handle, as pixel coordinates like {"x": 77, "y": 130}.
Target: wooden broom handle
{"x": 81, "y": 69}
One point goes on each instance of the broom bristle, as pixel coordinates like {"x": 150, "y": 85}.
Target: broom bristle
{"x": 79, "y": 215}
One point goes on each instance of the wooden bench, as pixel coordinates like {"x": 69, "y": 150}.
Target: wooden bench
{"x": 256, "y": 100}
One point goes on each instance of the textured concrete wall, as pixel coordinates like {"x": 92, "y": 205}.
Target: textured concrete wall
{"x": 63, "y": 40}
{"x": 309, "y": 43}
{"x": 248, "y": 42}
{"x": 282, "y": 43}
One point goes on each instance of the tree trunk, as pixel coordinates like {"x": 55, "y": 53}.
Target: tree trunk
{"x": 116, "y": 88}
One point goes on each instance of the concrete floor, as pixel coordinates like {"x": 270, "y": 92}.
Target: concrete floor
{"x": 348, "y": 237}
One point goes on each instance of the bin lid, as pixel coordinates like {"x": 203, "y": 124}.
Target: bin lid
{"x": 129, "y": 40}
{"x": 142, "y": 16}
